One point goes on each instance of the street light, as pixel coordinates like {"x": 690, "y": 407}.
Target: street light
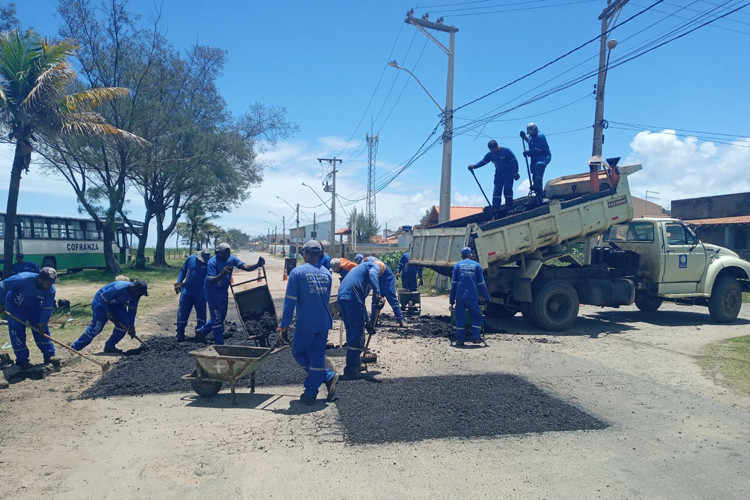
{"x": 293, "y": 254}
{"x": 316, "y": 194}
{"x": 394, "y": 64}
{"x": 283, "y": 228}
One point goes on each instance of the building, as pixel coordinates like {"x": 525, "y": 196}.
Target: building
{"x": 722, "y": 220}
{"x": 457, "y": 212}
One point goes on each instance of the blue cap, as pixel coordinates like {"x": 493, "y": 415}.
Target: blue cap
{"x": 465, "y": 252}
{"x": 358, "y": 258}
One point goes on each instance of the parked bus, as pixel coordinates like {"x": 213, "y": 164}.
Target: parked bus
{"x": 65, "y": 242}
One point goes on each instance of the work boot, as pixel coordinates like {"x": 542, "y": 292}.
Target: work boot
{"x": 351, "y": 376}
{"x": 180, "y": 337}
{"x": 112, "y": 350}
{"x": 460, "y": 343}
{"x": 308, "y": 401}
{"x": 53, "y": 360}
{"x": 331, "y": 386}
{"x": 24, "y": 365}
{"x": 480, "y": 340}
{"x": 200, "y": 337}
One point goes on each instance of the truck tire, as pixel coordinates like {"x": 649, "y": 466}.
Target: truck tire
{"x": 555, "y": 306}
{"x": 726, "y": 300}
{"x": 647, "y": 302}
{"x": 499, "y": 311}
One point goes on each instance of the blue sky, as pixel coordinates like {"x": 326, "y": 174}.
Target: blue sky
{"x": 680, "y": 109}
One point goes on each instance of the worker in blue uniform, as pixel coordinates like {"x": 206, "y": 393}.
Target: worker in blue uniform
{"x": 352, "y": 294}
{"x": 359, "y": 258}
{"x": 116, "y": 302}
{"x": 466, "y": 282}
{"x": 29, "y": 297}
{"x": 387, "y": 282}
{"x": 325, "y": 260}
{"x": 216, "y": 289}
{"x": 540, "y": 157}
{"x": 506, "y": 171}
{"x": 19, "y": 266}
{"x": 309, "y": 292}
{"x": 189, "y": 285}
{"x": 408, "y": 273}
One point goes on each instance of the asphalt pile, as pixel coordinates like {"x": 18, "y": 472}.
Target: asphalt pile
{"x": 262, "y": 327}
{"x": 159, "y": 369}
{"x": 460, "y": 406}
{"x": 425, "y": 326}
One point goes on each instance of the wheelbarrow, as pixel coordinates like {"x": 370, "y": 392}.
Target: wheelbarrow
{"x": 410, "y": 301}
{"x": 216, "y": 364}
{"x": 255, "y": 307}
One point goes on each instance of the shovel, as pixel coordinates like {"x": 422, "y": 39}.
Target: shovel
{"x": 480, "y": 187}
{"x": 120, "y": 325}
{"x": 104, "y": 366}
{"x": 367, "y": 355}
{"x": 528, "y": 169}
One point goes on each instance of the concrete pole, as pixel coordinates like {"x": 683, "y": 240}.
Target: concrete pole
{"x": 445, "y": 176}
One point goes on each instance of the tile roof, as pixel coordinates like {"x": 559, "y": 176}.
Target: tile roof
{"x": 720, "y": 221}
{"x": 458, "y": 212}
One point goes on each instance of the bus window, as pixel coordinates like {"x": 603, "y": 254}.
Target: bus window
{"x": 39, "y": 228}
{"x": 2, "y": 227}
{"x": 55, "y": 231}
{"x": 92, "y": 233}
{"x": 25, "y": 223}
{"x": 75, "y": 229}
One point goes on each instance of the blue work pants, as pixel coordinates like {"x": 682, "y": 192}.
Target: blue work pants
{"x": 188, "y": 301}
{"x": 471, "y": 305}
{"x": 409, "y": 279}
{"x": 503, "y": 186}
{"x": 17, "y": 331}
{"x": 353, "y": 313}
{"x": 388, "y": 290}
{"x": 537, "y": 176}
{"x": 98, "y": 320}
{"x": 218, "y": 304}
{"x": 309, "y": 350}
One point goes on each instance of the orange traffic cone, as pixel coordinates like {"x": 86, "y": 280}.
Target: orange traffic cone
{"x": 285, "y": 275}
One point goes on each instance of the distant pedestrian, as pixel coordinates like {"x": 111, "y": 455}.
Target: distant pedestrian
{"x": 409, "y": 273}
{"x": 20, "y": 266}
{"x": 352, "y": 295}
{"x": 216, "y": 289}
{"x": 116, "y": 302}
{"x": 29, "y": 297}
{"x": 506, "y": 171}
{"x": 189, "y": 285}
{"x": 540, "y": 157}
{"x": 466, "y": 282}
{"x": 309, "y": 291}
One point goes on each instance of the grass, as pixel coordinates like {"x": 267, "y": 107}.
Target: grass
{"x": 745, "y": 297}
{"x": 728, "y": 362}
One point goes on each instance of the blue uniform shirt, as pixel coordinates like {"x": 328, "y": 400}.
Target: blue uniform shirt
{"x": 504, "y": 160}
{"x": 325, "y": 261}
{"x": 20, "y": 292}
{"x": 467, "y": 276}
{"x": 539, "y": 149}
{"x": 357, "y": 283}
{"x": 25, "y": 267}
{"x": 215, "y": 266}
{"x": 309, "y": 290}
{"x": 117, "y": 294}
{"x": 403, "y": 265}
{"x": 194, "y": 273}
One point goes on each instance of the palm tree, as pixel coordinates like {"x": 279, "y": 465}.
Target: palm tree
{"x": 36, "y": 103}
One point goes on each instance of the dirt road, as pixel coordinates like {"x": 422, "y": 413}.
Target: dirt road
{"x": 615, "y": 408}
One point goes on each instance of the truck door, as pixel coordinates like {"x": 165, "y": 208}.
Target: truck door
{"x": 684, "y": 259}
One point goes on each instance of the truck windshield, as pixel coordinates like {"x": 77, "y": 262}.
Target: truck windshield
{"x": 632, "y": 231}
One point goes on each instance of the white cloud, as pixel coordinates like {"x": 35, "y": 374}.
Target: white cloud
{"x": 687, "y": 168}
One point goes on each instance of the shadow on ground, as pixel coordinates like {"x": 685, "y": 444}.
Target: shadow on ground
{"x": 466, "y": 406}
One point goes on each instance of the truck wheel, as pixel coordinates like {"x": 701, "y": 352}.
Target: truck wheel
{"x": 647, "y": 302}
{"x": 726, "y": 300}
{"x": 498, "y": 311}
{"x": 555, "y": 306}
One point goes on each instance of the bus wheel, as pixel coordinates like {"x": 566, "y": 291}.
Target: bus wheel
{"x": 555, "y": 306}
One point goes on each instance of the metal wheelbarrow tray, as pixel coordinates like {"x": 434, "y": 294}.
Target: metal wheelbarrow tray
{"x": 410, "y": 301}
{"x": 254, "y": 303}
{"x": 217, "y": 364}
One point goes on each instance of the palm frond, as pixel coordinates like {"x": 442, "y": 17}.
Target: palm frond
{"x": 90, "y": 99}
{"x": 82, "y": 124}
{"x": 50, "y": 83}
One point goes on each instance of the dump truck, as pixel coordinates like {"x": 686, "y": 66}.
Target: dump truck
{"x": 528, "y": 267}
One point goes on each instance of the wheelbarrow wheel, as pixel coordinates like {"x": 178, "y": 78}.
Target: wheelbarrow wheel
{"x": 205, "y": 388}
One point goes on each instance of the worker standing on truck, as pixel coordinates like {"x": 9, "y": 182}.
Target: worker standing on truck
{"x": 309, "y": 292}
{"x": 189, "y": 285}
{"x": 342, "y": 266}
{"x": 387, "y": 282}
{"x": 540, "y": 157}
{"x": 216, "y": 289}
{"x": 352, "y": 294}
{"x": 116, "y": 302}
{"x": 29, "y": 298}
{"x": 466, "y": 282}
{"x": 506, "y": 171}
{"x": 408, "y": 273}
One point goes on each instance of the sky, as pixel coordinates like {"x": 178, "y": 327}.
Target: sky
{"x": 679, "y": 108}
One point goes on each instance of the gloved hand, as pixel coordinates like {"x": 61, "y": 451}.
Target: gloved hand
{"x": 177, "y": 287}
{"x": 471, "y": 168}
{"x": 42, "y": 328}
{"x": 261, "y": 261}
{"x": 131, "y": 331}
{"x": 421, "y": 282}
{"x": 527, "y": 154}
{"x": 523, "y": 135}
{"x": 451, "y": 302}
{"x": 516, "y": 176}
{"x": 381, "y": 302}
{"x": 227, "y": 270}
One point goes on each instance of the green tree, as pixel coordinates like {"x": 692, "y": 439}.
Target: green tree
{"x": 238, "y": 239}
{"x": 366, "y": 226}
{"x": 8, "y": 19}
{"x": 36, "y": 105}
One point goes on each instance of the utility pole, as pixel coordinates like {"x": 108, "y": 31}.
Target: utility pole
{"x": 332, "y": 189}
{"x": 372, "y": 151}
{"x": 296, "y": 249}
{"x": 610, "y": 12}
{"x": 283, "y": 231}
{"x": 275, "y": 238}
{"x": 423, "y": 25}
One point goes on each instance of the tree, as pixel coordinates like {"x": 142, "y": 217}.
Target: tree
{"x": 237, "y": 239}
{"x": 425, "y": 217}
{"x": 36, "y": 106}
{"x": 8, "y": 19}
{"x": 366, "y": 226}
